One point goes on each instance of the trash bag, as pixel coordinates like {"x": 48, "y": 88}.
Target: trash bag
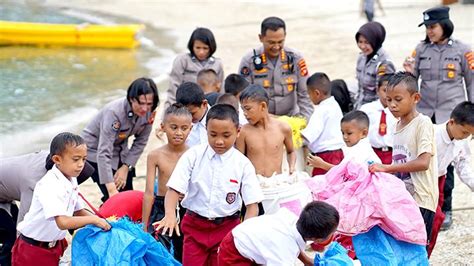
{"x": 379, "y": 248}
{"x": 124, "y": 244}
{"x": 335, "y": 254}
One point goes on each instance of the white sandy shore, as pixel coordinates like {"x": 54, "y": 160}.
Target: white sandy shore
{"x": 324, "y": 32}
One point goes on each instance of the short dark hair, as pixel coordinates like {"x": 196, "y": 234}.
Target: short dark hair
{"x": 209, "y": 76}
{"x": 229, "y": 99}
{"x": 359, "y": 117}
{"x": 317, "y": 220}
{"x": 62, "y": 140}
{"x": 204, "y": 35}
{"x": 273, "y": 24}
{"x": 255, "y": 92}
{"x": 143, "y": 86}
{"x": 463, "y": 113}
{"x": 382, "y": 79}
{"x": 234, "y": 84}
{"x": 223, "y": 112}
{"x": 189, "y": 93}
{"x": 176, "y": 109}
{"x": 319, "y": 81}
{"x": 406, "y": 78}
{"x": 448, "y": 29}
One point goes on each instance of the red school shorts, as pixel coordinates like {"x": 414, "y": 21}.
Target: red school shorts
{"x": 332, "y": 157}
{"x": 228, "y": 255}
{"x": 439, "y": 216}
{"x": 26, "y": 254}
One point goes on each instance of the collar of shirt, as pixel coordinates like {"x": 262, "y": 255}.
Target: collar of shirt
{"x": 444, "y": 134}
{"x": 210, "y": 153}
{"x": 202, "y": 122}
{"x": 62, "y": 178}
{"x": 128, "y": 108}
{"x": 327, "y": 101}
{"x": 297, "y": 236}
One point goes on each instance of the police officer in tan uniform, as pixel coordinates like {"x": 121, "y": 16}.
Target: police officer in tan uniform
{"x": 18, "y": 178}
{"x": 201, "y": 46}
{"x": 372, "y": 63}
{"x": 107, "y": 136}
{"x": 280, "y": 70}
{"x": 445, "y": 67}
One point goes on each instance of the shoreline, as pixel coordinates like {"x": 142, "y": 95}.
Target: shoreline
{"x": 324, "y": 34}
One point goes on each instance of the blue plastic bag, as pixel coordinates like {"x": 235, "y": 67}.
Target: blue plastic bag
{"x": 334, "y": 255}
{"x": 379, "y": 248}
{"x": 124, "y": 244}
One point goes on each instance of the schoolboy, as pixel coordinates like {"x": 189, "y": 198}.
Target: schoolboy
{"x": 452, "y": 146}
{"x": 382, "y": 122}
{"x": 55, "y": 206}
{"x": 208, "y": 80}
{"x": 215, "y": 178}
{"x": 191, "y": 95}
{"x": 160, "y": 164}
{"x": 322, "y": 135}
{"x": 235, "y": 84}
{"x": 264, "y": 138}
{"x": 280, "y": 238}
{"x": 229, "y": 99}
{"x": 354, "y": 127}
{"x": 414, "y": 150}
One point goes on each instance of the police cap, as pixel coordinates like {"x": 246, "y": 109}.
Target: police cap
{"x": 435, "y": 15}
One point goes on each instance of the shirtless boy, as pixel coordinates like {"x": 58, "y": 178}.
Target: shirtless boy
{"x": 161, "y": 163}
{"x": 263, "y": 139}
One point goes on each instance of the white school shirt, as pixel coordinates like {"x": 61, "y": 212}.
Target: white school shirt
{"x": 54, "y": 195}
{"x": 361, "y": 153}
{"x": 198, "y": 134}
{"x": 270, "y": 239}
{"x": 215, "y": 184}
{"x": 374, "y": 112}
{"x": 323, "y": 132}
{"x": 457, "y": 151}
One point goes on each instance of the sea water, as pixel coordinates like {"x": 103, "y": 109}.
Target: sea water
{"x": 47, "y": 90}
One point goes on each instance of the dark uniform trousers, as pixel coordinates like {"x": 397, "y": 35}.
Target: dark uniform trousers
{"x": 103, "y": 188}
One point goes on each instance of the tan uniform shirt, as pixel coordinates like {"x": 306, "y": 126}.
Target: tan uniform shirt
{"x": 107, "y": 136}
{"x": 442, "y": 69}
{"x": 285, "y": 81}
{"x": 185, "y": 69}
{"x": 368, "y": 74}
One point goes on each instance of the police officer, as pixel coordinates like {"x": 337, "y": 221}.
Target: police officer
{"x": 443, "y": 64}
{"x": 201, "y": 46}
{"x": 18, "y": 178}
{"x": 107, "y": 136}
{"x": 280, "y": 70}
{"x": 372, "y": 63}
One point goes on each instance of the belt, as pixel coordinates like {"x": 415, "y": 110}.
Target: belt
{"x": 37, "y": 243}
{"x": 217, "y": 220}
{"x": 323, "y": 152}
{"x": 386, "y": 148}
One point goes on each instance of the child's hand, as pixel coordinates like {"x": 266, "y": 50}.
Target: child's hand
{"x": 315, "y": 161}
{"x": 167, "y": 224}
{"x": 409, "y": 64}
{"x": 377, "y": 167}
{"x": 102, "y": 223}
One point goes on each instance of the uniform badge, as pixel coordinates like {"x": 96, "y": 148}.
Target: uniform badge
{"x": 303, "y": 68}
{"x": 413, "y": 54}
{"x": 426, "y": 16}
{"x": 130, "y": 114}
{"x": 245, "y": 71}
{"x": 290, "y": 83}
{"x": 151, "y": 119}
{"x": 116, "y": 125}
{"x": 266, "y": 83}
{"x": 231, "y": 196}
{"x": 450, "y": 66}
{"x": 451, "y": 74}
{"x": 470, "y": 59}
{"x": 263, "y": 70}
{"x": 122, "y": 136}
{"x": 381, "y": 70}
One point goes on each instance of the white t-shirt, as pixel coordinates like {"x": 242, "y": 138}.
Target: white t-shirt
{"x": 270, "y": 239}
{"x": 457, "y": 151}
{"x": 198, "y": 134}
{"x": 410, "y": 142}
{"x": 361, "y": 153}
{"x": 374, "y": 112}
{"x": 323, "y": 132}
{"x": 54, "y": 195}
{"x": 215, "y": 184}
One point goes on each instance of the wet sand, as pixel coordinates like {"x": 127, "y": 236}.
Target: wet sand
{"x": 324, "y": 33}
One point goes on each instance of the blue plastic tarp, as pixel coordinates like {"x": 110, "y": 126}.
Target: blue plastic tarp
{"x": 335, "y": 255}
{"x": 376, "y": 247}
{"x": 124, "y": 244}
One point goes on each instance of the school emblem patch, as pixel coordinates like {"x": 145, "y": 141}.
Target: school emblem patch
{"x": 231, "y": 196}
{"x": 116, "y": 125}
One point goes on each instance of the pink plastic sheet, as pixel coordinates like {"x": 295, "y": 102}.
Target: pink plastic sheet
{"x": 365, "y": 200}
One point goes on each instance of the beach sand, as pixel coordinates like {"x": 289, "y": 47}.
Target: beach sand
{"x": 324, "y": 33}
